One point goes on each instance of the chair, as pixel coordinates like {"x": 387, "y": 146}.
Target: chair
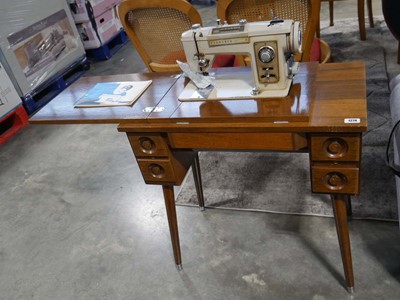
{"x": 155, "y": 28}
{"x": 391, "y": 12}
{"x": 305, "y": 11}
{"x": 361, "y": 21}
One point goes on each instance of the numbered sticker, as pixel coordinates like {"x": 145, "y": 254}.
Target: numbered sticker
{"x": 352, "y": 120}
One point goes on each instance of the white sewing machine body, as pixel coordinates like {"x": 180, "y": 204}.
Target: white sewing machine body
{"x": 269, "y": 44}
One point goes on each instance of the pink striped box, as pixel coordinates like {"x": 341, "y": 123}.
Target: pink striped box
{"x": 100, "y": 6}
{"x": 81, "y": 14}
{"x": 79, "y": 11}
{"x": 107, "y": 28}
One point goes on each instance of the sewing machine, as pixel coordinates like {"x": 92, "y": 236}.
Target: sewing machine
{"x": 271, "y": 46}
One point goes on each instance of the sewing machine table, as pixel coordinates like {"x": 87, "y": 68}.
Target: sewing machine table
{"x": 324, "y": 114}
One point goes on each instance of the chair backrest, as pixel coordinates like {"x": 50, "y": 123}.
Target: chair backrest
{"x": 305, "y": 11}
{"x": 155, "y": 28}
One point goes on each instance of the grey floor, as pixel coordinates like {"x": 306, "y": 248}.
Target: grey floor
{"x": 78, "y": 222}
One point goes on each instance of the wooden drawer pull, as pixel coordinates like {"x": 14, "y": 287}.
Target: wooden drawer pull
{"x": 335, "y": 147}
{"x": 156, "y": 171}
{"x": 150, "y": 145}
{"x": 335, "y": 178}
{"x": 147, "y": 145}
{"x": 335, "y": 181}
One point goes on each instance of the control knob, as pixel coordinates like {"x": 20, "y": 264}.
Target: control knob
{"x": 266, "y": 54}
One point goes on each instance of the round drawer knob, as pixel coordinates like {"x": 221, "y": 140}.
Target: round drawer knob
{"x": 156, "y": 170}
{"x": 147, "y": 145}
{"x": 335, "y": 181}
{"x": 335, "y": 147}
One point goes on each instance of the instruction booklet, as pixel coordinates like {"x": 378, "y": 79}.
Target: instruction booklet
{"x": 113, "y": 94}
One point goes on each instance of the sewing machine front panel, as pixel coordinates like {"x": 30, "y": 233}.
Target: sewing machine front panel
{"x": 267, "y": 70}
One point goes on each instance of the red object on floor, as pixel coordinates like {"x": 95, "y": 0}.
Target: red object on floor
{"x": 13, "y": 122}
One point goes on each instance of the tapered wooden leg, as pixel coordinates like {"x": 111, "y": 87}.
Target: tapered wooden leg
{"x": 339, "y": 210}
{"x": 197, "y": 180}
{"x": 169, "y": 199}
{"x": 361, "y": 19}
{"x": 370, "y": 14}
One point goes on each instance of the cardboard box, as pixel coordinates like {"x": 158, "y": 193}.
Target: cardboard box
{"x": 106, "y": 27}
{"x": 9, "y": 98}
{"x": 83, "y": 10}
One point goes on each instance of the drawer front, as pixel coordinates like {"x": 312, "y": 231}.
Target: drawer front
{"x": 332, "y": 178}
{"x": 148, "y": 145}
{"x": 335, "y": 148}
{"x": 157, "y": 170}
{"x": 239, "y": 141}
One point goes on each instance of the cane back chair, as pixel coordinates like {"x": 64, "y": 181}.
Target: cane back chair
{"x": 155, "y": 28}
{"x": 305, "y": 11}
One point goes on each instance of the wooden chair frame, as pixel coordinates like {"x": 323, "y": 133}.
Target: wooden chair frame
{"x": 361, "y": 16}
{"x": 180, "y": 5}
{"x": 308, "y": 34}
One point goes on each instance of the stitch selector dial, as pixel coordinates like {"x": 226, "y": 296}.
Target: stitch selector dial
{"x": 266, "y": 54}
{"x": 267, "y": 61}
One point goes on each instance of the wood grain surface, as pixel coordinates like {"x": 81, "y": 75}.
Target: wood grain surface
{"x": 331, "y": 92}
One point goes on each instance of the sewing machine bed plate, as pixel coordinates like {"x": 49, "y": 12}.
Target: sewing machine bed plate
{"x": 237, "y": 83}
{"x": 233, "y": 86}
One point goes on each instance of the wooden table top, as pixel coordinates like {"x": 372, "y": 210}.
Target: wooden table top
{"x": 327, "y": 93}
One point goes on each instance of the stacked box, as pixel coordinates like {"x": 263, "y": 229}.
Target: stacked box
{"x": 96, "y": 20}
{"x": 83, "y": 9}
{"x": 9, "y": 98}
{"x": 97, "y": 33}
{"x": 13, "y": 116}
{"x": 38, "y": 40}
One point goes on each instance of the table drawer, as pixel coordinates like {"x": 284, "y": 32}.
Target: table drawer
{"x": 335, "y": 178}
{"x": 239, "y": 141}
{"x": 148, "y": 145}
{"x": 335, "y": 148}
{"x": 157, "y": 170}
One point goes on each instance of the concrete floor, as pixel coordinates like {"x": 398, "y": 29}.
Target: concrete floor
{"x": 78, "y": 222}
